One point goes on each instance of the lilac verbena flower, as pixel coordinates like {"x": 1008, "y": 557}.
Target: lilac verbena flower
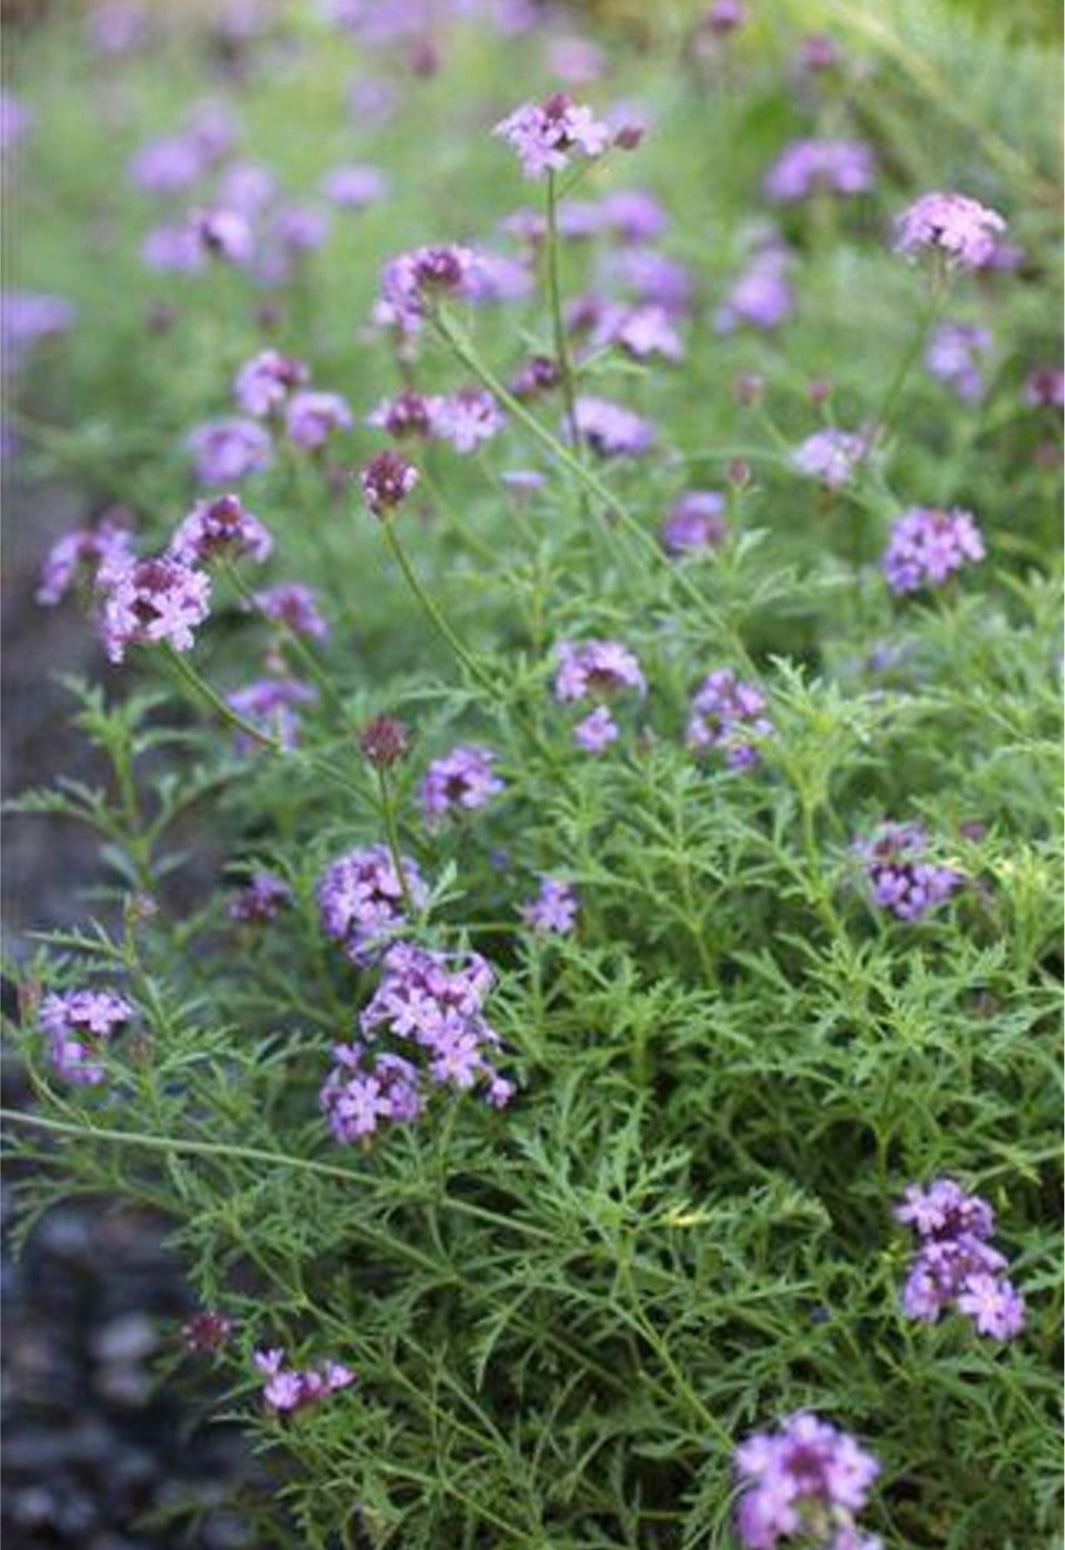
{"x": 435, "y": 1002}
{"x": 247, "y": 187}
{"x": 227, "y": 451}
{"x": 148, "y": 601}
{"x": 78, "y": 1024}
{"x": 220, "y": 526}
{"x": 408, "y": 415}
{"x": 902, "y": 881}
{"x": 729, "y": 715}
{"x": 633, "y": 215}
{"x": 955, "y": 1264}
{"x": 15, "y": 122}
{"x": 763, "y": 296}
{"x": 287, "y": 1390}
{"x": 540, "y": 374}
{"x": 354, "y": 187}
{"x": 808, "y": 167}
{"x": 554, "y": 910}
{"x": 545, "y": 135}
{"x": 361, "y": 903}
{"x": 99, "y": 550}
{"x": 27, "y": 318}
{"x": 467, "y": 418}
{"x": 696, "y": 521}
{"x": 804, "y": 1481}
{"x": 612, "y": 430}
{"x": 461, "y": 781}
{"x": 167, "y": 165}
{"x": 596, "y": 669}
{"x": 831, "y": 456}
{"x": 927, "y": 547}
{"x": 641, "y": 332}
{"x": 263, "y": 385}
{"x": 596, "y": 731}
{"x": 261, "y": 898}
{"x": 272, "y": 706}
{"x": 412, "y": 280}
{"x": 225, "y": 234}
{"x": 724, "y": 17}
{"x": 386, "y": 481}
{"x": 311, "y": 418}
{"x": 961, "y": 228}
{"x": 294, "y": 606}
{"x": 496, "y": 279}
{"x": 365, "y": 1087}
{"x": 173, "y": 249}
{"x": 954, "y": 356}
{"x": 1044, "y": 388}
{"x": 654, "y": 278}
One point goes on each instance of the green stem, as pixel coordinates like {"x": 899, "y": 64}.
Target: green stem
{"x": 554, "y": 292}
{"x": 388, "y": 813}
{"x": 210, "y": 696}
{"x": 433, "y": 613}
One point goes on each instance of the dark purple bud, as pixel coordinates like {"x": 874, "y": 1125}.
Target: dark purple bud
{"x": 384, "y": 741}
{"x": 386, "y": 482}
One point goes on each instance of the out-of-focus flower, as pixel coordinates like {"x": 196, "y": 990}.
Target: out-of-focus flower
{"x": 612, "y": 430}
{"x": 263, "y": 384}
{"x": 227, "y": 451}
{"x": 953, "y": 224}
{"x": 696, "y": 521}
{"x": 554, "y": 910}
{"x": 26, "y": 318}
{"x": 272, "y": 706}
{"x": 954, "y": 356}
{"x": 927, "y": 547}
{"x": 99, "y": 550}
{"x": 831, "y": 455}
{"x": 466, "y": 418}
{"x": 294, "y": 606}
{"x": 225, "y": 234}
{"x": 169, "y": 165}
{"x": 261, "y": 898}
{"x": 763, "y": 296}
{"x": 312, "y": 417}
{"x": 1044, "y": 388}
{"x": 808, "y": 167}
{"x": 596, "y": 731}
{"x": 384, "y": 741}
{"x": 354, "y": 187}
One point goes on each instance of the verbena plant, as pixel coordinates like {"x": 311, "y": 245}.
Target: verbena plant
{"x": 652, "y": 800}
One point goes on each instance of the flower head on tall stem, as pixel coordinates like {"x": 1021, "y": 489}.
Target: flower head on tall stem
{"x": 547, "y": 134}
{"x": 386, "y": 481}
{"x": 960, "y": 228}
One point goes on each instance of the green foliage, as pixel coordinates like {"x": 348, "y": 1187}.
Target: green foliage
{"x": 565, "y": 1315}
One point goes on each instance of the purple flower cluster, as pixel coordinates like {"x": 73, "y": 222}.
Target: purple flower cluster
{"x": 961, "y": 228}
{"x": 410, "y": 280}
{"x": 361, "y": 900}
{"x": 99, "y": 550}
{"x": 220, "y": 526}
{"x": 954, "y": 357}
{"x": 295, "y": 607}
{"x": 554, "y": 910}
{"x": 763, "y": 296}
{"x": 261, "y": 899}
{"x": 386, "y": 481}
{"x": 808, "y": 167}
{"x": 610, "y": 429}
{"x": 955, "y": 1264}
{"x": 432, "y": 1004}
{"x": 901, "y": 880}
{"x": 545, "y": 135}
{"x": 464, "y": 419}
{"x": 461, "y": 781}
{"x": 804, "y": 1481}
{"x": 272, "y": 706}
{"x": 148, "y": 601}
{"x": 263, "y": 384}
{"x": 695, "y": 522}
{"x": 287, "y": 1390}
{"x": 591, "y": 669}
{"x": 927, "y": 547}
{"x": 78, "y": 1024}
{"x": 729, "y": 715}
{"x": 831, "y": 456}
{"x": 226, "y": 451}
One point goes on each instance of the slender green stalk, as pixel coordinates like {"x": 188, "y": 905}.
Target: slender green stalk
{"x": 478, "y": 673}
{"x": 554, "y": 293}
{"x": 388, "y": 814}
